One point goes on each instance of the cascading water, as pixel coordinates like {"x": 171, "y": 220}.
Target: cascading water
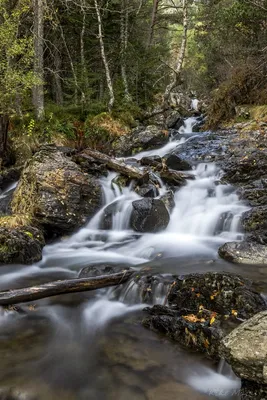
{"x": 206, "y": 214}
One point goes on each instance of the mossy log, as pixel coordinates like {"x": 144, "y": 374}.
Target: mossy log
{"x": 55, "y": 288}
{"x": 115, "y": 165}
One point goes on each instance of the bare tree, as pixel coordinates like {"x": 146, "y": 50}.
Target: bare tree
{"x": 38, "y": 27}
{"x": 153, "y": 21}
{"x": 124, "y": 24}
{"x": 176, "y": 80}
{"x": 104, "y": 58}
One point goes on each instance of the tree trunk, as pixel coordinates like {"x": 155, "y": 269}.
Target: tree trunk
{"x": 83, "y": 65}
{"x": 115, "y": 165}
{"x": 153, "y": 22}
{"x": 124, "y": 44}
{"x": 15, "y": 296}
{"x": 4, "y": 122}
{"x": 57, "y": 78}
{"x": 104, "y": 58}
{"x": 177, "y": 71}
{"x": 38, "y": 29}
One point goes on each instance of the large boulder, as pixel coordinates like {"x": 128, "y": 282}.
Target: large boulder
{"x": 149, "y": 215}
{"x": 254, "y": 223}
{"x": 174, "y": 162}
{"x": 56, "y": 193}
{"x": 245, "y": 252}
{"x": 147, "y": 190}
{"x": 20, "y": 244}
{"x": 140, "y": 139}
{"x": 203, "y": 309}
{"x": 245, "y": 349}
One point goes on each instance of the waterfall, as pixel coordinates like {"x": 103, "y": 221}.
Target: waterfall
{"x": 206, "y": 214}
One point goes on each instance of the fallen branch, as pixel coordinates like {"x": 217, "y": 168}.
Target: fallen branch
{"x": 23, "y": 295}
{"x": 115, "y": 165}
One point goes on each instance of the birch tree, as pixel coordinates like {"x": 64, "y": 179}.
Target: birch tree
{"x": 38, "y": 31}
{"x": 153, "y": 21}
{"x": 104, "y": 57}
{"x": 176, "y": 78}
{"x": 124, "y": 26}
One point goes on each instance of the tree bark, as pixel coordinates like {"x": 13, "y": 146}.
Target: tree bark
{"x": 124, "y": 44}
{"x": 153, "y": 21}
{"x": 114, "y": 164}
{"x": 177, "y": 71}
{"x": 57, "y": 78}
{"x": 104, "y": 58}
{"x": 4, "y": 122}
{"x": 38, "y": 28}
{"x": 61, "y": 287}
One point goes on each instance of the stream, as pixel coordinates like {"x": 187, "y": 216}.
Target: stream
{"x": 91, "y": 345}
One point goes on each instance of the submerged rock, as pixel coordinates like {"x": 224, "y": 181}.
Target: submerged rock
{"x": 21, "y": 245}
{"x": 149, "y": 215}
{"x": 245, "y": 349}
{"x": 144, "y": 138}
{"x": 102, "y": 269}
{"x": 244, "y": 253}
{"x": 56, "y": 193}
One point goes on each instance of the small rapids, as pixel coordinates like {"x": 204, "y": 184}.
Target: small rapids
{"x": 91, "y": 345}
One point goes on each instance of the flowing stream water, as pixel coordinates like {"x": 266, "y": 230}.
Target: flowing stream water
{"x": 92, "y": 345}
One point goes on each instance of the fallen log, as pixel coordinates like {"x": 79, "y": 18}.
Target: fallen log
{"x": 32, "y": 293}
{"x": 173, "y": 177}
{"x": 115, "y": 165}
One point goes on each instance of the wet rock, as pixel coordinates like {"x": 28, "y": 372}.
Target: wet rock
{"x": 200, "y": 332}
{"x": 253, "y": 391}
{"x": 90, "y": 165}
{"x": 8, "y": 176}
{"x": 141, "y": 138}
{"x": 56, "y": 193}
{"x": 244, "y": 253}
{"x": 174, "y": 162}
{"x": 174, "y": 178}
{"x": 151, "y": 287}
{"x": 254, "y": 222}
{"x": 219, "y": 292}
{"x": 22, "y": 245}
{"x": 174, "y": 120}
{"x": 254, "y": 192}
{"x": 151, "y": 161}
{"x": 246, "y": 167}
{"x": 149, "y": 215}
{"x": 108, "y": 213}
{"x": 203, "y": 308}
{"x": 168, "y": 200}
{"x": 245, "y": 349}
{"x": 147, "y": 190}
{"x": 102, "y": 269}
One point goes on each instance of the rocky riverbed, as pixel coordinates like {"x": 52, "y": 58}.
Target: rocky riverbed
{"x": 140, "y": 224}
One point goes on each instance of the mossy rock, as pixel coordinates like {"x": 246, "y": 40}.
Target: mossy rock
{"x": 55, "y": 192}
{"x": 22, "y": 245}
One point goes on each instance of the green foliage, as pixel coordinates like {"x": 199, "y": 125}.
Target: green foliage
{"x": 16, "y": 48}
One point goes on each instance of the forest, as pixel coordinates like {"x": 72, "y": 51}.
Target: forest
{"x": 133, "y": 199}
{"x": 65, "y": 63}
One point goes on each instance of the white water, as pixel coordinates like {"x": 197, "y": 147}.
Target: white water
{"x": 206, "y": 214}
